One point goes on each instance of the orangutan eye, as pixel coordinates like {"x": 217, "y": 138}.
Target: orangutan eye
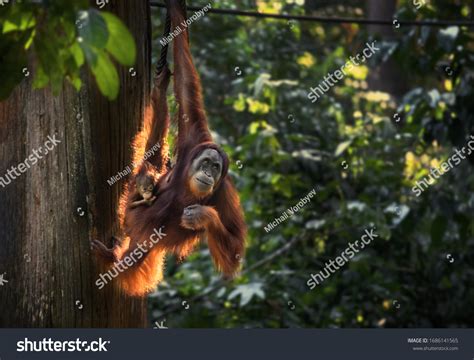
{"x": 215, "y": 167}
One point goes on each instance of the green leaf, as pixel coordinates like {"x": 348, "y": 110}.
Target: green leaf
{"x": 19, "y": 21}
{"x": 68, "y": 27}
{"x": 342, "y": 147}
{"x": 90, "y": 53}
{"x": 92, "y": 28}
{"x": 49, "y": 55}
{"x": 120, "y": 42}
{"x": 106, "y": 76}
{"x": 47, "y": 50}
{"x": 77, "y": 53}
{"x": 260, "y": 82}
{"x": 239, "y": 104}
{"x": 41, "y": 79}
{"x": 315, "y": 224}
{"x": 447, "y": 37}
{"x": 247, "y": 292}
{"x": 434, "y": 97}
{"x": 76, "y": 82}
{"x": 29, "y": 42}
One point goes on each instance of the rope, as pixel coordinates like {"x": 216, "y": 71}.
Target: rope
{"x": 332, "y": 20}
{"x": 164, "y": 49}
{"x": 162, "y": 62}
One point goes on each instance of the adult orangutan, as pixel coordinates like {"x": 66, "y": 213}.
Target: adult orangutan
{"x": 194, "y": 200}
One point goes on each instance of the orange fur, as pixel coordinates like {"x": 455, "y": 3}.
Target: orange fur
{"x": 220, "y": 217}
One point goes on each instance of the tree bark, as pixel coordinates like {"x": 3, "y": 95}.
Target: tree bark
{"x": 388, "y": 76}
{"x": 49, "y": 214}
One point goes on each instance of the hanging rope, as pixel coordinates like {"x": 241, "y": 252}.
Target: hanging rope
{"x": 333, "y": 20}
{"x": 162, "y": 62}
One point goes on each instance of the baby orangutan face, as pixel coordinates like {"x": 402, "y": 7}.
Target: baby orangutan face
{"x": 205, "y": 172}
{"x": 145, "y": 186}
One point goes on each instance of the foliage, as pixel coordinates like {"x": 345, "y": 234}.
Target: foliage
{"x": 361, "y": 149}
{"x": 282, "y": 146}
{"x": 62, "y": 37}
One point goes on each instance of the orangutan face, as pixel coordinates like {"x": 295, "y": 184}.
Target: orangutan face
{"x": 145, "y": 186}
{"x": 205, "y": 172}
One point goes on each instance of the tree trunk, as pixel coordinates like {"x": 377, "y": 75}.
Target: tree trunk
{"x": 388, "y": 76}
{"x": 49, "y": 214}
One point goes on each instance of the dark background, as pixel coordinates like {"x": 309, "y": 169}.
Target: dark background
{"x": 287, "y": 146}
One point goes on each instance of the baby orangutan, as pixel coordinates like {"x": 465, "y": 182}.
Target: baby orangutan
{"x": 145, "y": 188}
{"x": 194, "y": 200}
